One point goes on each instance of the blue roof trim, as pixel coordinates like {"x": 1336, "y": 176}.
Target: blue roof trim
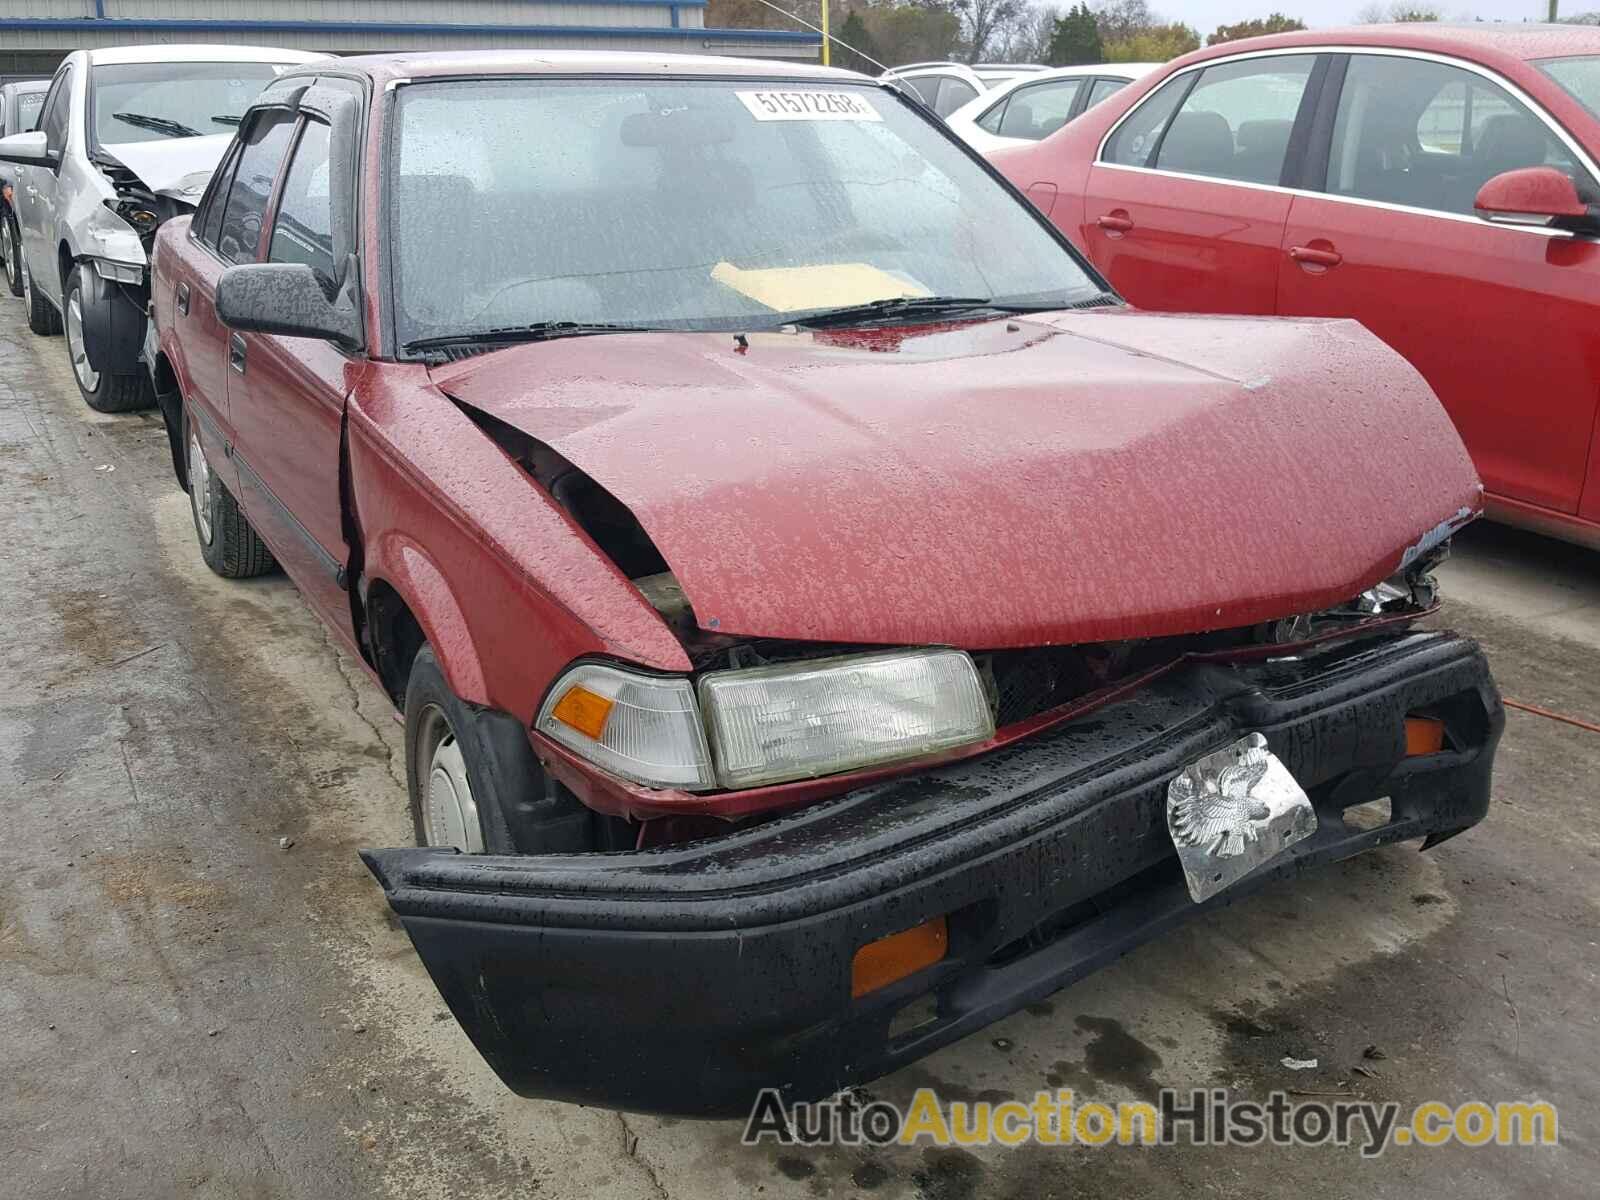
{"x": 199, "y": 25}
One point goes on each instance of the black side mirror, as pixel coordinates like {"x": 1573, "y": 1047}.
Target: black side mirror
{"x": 288, "y": 299}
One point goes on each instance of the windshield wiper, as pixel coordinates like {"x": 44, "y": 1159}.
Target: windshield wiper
{"x": 540, "y": 331}
{"x": 227, "y": 119}
{"x": 911, "y": 306}
{"x": 159, "y": 124}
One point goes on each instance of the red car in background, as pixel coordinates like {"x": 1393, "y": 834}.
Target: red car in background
{"x": 1437, "y": 183}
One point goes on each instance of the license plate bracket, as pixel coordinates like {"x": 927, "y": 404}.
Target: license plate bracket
{"x": 1233, "y": 810}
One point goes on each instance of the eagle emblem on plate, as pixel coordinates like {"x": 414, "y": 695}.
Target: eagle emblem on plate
{"x": 1233, "y": 810}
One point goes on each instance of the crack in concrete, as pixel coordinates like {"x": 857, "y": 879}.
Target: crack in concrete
{"x": 350, "y": 683}
{"x": 630, "y": 1148}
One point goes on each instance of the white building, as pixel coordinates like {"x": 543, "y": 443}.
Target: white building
{"x": 36, "y": 34}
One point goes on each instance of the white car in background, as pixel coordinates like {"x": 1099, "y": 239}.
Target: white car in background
{"x": 1033, "y": 106}
{"x": 127, "y": 138}
{"x": 946, "y": 86}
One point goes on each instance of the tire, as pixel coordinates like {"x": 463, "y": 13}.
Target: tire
{"x": 12, "y": 250}
{"x": 43, "y": 319}
{"x": 103, "y": 391}
{"x": 474, "y": 781}
{"x": 229, "y": 544}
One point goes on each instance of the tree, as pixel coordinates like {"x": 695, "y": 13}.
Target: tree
{"x": 1155, "y": 44}
{"x": 854, "y": 49}
{"x": 1026, "y": 39}
{"x": 911, "y": 33}
{"x": 1075, "y": 39}
{"x": 1259, "y": 27}
{"x": 982, "y": 19}
{"x": 1396, "y": 11}
{"x": 1121, "y": 19}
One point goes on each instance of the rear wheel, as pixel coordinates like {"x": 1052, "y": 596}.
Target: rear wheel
{"x": 11, "y": 247}
{"x": 43, "y": 319}
{"x": 103, "y": 391}
{"x": 228, "y": 542}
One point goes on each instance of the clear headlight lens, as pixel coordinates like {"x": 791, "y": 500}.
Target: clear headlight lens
{"x": 642, "y": 727}
{"x": 823, "y": 716}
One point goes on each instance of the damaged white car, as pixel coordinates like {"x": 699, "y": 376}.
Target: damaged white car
{"x": 127, "y": 138}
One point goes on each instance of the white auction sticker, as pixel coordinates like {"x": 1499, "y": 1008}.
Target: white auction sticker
{"x": 808, "y": 105}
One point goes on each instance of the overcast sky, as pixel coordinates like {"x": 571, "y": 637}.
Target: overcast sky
{"x": 1206, "y": 15}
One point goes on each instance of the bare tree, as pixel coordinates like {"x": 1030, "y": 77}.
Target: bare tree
{"x": 981, "y": 20}
{"x": 1026, "y": 39}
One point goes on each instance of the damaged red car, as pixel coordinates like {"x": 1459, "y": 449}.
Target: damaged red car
{"x": 825, "y": 617}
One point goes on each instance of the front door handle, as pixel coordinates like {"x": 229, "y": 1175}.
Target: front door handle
{"x": 236, "y": 353}
{"x": 1313, "y": 256}
{"x": 183, "y": 299}
{"x": 1115, "y": 222}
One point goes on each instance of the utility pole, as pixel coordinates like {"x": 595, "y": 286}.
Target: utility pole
{"x": 827, "y": 62}
{"x": 1554, "y": 4}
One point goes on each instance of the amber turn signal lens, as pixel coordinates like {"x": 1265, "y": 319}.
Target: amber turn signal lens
{"x": 887, "y": 960}
{"x": 584, "y": 711}
{"x": 1424, "y": 735}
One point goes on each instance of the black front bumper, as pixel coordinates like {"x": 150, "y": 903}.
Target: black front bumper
{"x": 685, "y": 979}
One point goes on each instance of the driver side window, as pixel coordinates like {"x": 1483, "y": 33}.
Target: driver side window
{"x": 57, "y": 107}
{"x": 260, "y": 156}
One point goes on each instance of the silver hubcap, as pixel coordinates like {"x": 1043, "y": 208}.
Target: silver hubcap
{"x": 449, "y": 813}
{"x": 200, "y": 488}
{"x": 88, "y": 377}
{"x": 9, "y": 247}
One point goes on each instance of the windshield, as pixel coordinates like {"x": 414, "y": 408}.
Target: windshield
{"x": 692, "y": 205}
{"x": 1580, "y": 76}
{"x": 141, "y": 102}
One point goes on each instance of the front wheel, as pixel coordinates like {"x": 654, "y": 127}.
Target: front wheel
{"x": 11, "y": 247}
{"x": 473, "y": 779}
{"x": 103, "y": 391}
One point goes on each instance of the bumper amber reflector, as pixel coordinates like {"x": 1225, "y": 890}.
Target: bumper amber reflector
{"x": 583, "y": 710}
{"x": 888, "y": 960}
{"x": 1424, "y": 735}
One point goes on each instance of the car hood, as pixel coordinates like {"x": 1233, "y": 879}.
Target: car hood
{"x": 1084, "y": 476}
{"x": 176, "y": 167}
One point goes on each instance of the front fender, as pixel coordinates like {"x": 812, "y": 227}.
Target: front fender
{"x": 405, "y": 566}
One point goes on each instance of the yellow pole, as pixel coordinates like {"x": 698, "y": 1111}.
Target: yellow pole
{"x": 825, "y": 61}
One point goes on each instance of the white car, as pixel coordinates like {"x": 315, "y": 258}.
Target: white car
{"x": 1033, "y": 106}
{"x": 127, "y": 138}
{"x": 946, "y": 86}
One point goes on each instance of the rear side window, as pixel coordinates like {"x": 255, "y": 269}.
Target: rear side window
{"x": 1134, "y": 142}
{"x": 302, "y": 232}
{"x": 953, "y": 93}
{"x": 989, "y": 122}
{"x": 1236, "y": 122}
{"x": 1038, "y": 110}
{"x": 1104, "y": 89}
{"x": 926, "y": 86}
{"x": 1428, "y": 135}
{"x": 239, "y": 238}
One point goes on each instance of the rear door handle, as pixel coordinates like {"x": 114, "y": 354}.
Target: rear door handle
{"x": 236, "y": 353}
{"x": 1115, "y": 222}
{"x": 183, "y": 298}
{"x": 1313, "y": 257}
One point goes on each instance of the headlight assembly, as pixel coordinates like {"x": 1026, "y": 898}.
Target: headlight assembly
{"x": 748, "y": 727}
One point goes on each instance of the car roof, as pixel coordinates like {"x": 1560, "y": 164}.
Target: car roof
{"x": 199, "y": 52}
{"x": 383, "y": 68}
{"x": 1484, "y": 41}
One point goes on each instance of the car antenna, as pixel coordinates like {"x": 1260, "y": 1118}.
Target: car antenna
{"x": 836, "y": 41}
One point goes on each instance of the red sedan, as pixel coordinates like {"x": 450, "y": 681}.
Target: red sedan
{"x": 1437, "y": 183}
{"x": 681, "y": 443}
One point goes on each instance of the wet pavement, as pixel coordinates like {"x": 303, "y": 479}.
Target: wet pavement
{"x": 190, "y": 1010}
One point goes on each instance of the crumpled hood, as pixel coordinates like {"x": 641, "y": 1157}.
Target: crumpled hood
{"x": 1087, "y": 476}
{"x": 176, "y": 167}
